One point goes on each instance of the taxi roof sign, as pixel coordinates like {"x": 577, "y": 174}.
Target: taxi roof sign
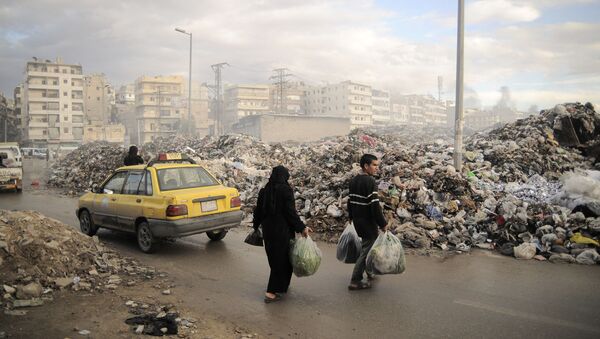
{"x": 171, "y": 157}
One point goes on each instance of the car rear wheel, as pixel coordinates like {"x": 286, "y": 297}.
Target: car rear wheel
{"x": 145, "y": 239}
{"x": 86, "y": 224}
{"x": 216, "y": 235}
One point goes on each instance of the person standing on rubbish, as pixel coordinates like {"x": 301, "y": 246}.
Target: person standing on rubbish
{"x": 366, "y": 214}
{"x": 276, "y": 211}
{"x": 132, "y": 157}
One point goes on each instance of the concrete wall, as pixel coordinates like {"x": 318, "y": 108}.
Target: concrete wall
{"x": 278, "y": 128}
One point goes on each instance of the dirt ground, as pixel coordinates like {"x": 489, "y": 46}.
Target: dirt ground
{"x": 104, "y": 315}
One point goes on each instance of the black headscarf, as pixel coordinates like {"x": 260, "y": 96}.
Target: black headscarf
{"x": 279, "y": 177}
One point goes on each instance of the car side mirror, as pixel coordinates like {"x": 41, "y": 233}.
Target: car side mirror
{"x": 107, "y": 191}
{"x": 95, "y": 188}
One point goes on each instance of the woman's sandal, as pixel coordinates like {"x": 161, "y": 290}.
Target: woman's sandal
{"x": 359, "y": 286}
{"x": 272, "y": 300}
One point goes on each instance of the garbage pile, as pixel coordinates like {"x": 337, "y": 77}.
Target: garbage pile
{"x": 39, "y": 255}
{"x": 90, "y": 163}
{"x": 500, "y": 200}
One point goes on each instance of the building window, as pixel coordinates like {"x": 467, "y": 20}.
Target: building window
{"x": 64, "y": 94}
{"x": 65, "y": 81}
{"x": 97, "y": 98}
{"x": 44, "y": 132}
{"x": 44, "y": 82}
{"x": 64, "y": 70}
{"x": 66, "y": 106}
{"x": 66, "y": 118}
{"x": 66, "y": 130}
{"x": 55, "y": 82}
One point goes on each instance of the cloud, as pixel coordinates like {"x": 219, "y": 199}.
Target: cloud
{"x": 500, "y": 10}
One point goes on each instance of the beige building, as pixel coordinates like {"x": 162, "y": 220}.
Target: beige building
{"x": 424, "y": 110}
{"x": 346, "y": 99}
{"x": 244, "y": 100}
{"x": 99, "y": 98}
{"x": 203, "y": 121}
{"x": 287, "y": 127}
{"x": 158, "y": 106}
{"x": 293, "y": 98}
{"x": 125, "y": 94}
{"x": 18, "y": 98}
{"x": 400, "y": 115}
{"x": 52, "y": 104}
{"x": 114, "y": 134}
{"x": 382, "y": 110}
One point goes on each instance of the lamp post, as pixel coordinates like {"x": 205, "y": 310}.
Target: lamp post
{"x": 189, "y": 80}
{"x": 458, "y": 108}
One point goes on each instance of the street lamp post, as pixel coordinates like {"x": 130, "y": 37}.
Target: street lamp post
{"x": 458, "y": 107}
{"x": 189, "y": 81}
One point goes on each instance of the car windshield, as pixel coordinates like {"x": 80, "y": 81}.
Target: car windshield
{"x": 184, "y": 177}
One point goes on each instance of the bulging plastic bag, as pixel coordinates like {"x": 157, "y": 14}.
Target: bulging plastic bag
{"x": 305, "y": 257}
{"x": 255, "y": 238}
{"x": 348, "y": 247}
{"x": 386, "y": 256}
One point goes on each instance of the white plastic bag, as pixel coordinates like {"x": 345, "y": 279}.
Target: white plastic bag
{"x": 305, "y": 257}
{"x": 348, "y": 247}
{"x": 386, "y": 256}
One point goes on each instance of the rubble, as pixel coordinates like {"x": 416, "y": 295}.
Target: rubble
{"x": 512, "y": 189}
{"x": 43, "y": 255}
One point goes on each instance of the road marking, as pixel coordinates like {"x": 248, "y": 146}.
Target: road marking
{"x": 528, "y": 316}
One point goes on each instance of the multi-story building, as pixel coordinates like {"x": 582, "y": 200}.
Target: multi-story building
{"x": 158, "y": 106}
{"x": 293, "y": 95}
{"x": 424, "y": 110}
{"x": 125, "y": 94}
{"x": 203, "y": 122}
{"x": 346, "y": 99}
{"x": 114, "y": 133}
{"x": 18, "y": 98}
{"x": 99, "y": 98}
{"x": 382, "y": 111}
{"x": 241, "y": 101}
{"x": 400, "y": 115}
{"x": 52, "y": 104}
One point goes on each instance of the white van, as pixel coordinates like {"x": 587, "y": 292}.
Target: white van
{"x": 14, "y": 155}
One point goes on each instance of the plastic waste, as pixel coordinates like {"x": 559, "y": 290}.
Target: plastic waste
{"x": 305, "y": 257}
{"x": 386, "y": 256}
{"x": 525, "y": 251}
{"x": 580, "y": 239}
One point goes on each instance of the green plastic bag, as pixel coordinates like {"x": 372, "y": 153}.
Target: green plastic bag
{"x": 305, "y": 257}
{"x": 386, "y": 256}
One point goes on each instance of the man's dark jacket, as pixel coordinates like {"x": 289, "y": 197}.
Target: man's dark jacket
{"x": 364, "y": 208}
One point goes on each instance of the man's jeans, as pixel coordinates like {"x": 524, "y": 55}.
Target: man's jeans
{"x": 359, "y": 267}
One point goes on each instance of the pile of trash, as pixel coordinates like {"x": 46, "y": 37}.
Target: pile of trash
{"x": 503, "y": 195}
{"x": 90, "y": 163}
{"x": 39, "y": 255}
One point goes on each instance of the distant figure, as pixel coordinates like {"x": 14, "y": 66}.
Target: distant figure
{"x": 133, "y": 158}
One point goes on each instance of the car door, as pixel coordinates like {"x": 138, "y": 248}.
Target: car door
{"x": 104, "y": 211}
{"x": 131, "y": 200}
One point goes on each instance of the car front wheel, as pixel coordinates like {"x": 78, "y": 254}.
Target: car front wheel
{"x": 145, "y": 239}
{"x": 216, "y": 235}
{"x": 86, "y": 224}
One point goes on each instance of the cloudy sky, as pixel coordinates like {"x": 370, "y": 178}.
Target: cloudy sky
{"x": 545, "y": 51}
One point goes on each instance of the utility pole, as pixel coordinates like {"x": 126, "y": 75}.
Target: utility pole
{"x": 458, "y": 126}
{"x": 218, "y": 97}
{"x": 281, "y": 77}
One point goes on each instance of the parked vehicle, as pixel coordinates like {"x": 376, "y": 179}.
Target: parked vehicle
{"x": 11, "y": 175}
{"x": 170, "y": 197}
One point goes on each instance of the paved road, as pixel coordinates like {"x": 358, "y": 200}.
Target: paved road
{"x": 480, "y": 295}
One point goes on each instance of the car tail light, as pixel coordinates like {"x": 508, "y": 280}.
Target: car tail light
{"x": 176, "y": 210}
{"x": 235, "y": 202}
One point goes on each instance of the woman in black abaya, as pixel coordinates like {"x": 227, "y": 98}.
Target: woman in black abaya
{"x": 276, "y": 212}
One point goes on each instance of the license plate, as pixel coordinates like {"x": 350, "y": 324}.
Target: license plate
{"x": 208, "y": 206}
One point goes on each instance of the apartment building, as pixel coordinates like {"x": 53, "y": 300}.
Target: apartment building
{"x": 203, "y": 123}
{"x": 99, "y": 98}
{"x": 400, "y": 115}
{"x": 18, "y": 98}
{"x": 424, "y": 110}
{"x": 243, "y": 100}
{"x": 382, "y": 110}
{"x": 347, "y": 99}
{"x": 52, "y": 104}
{"x": 293, "y": 96}
{"x": 158, "y": 106}
{"x": 125, "y": 94}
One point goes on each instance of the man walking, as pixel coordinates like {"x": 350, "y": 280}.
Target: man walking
{"x": 366, "y": 214}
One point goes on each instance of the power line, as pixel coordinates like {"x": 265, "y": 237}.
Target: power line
{"x": 280, "y": 76}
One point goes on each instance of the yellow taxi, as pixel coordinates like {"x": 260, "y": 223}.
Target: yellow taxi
{"x": 170, "y": 197}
